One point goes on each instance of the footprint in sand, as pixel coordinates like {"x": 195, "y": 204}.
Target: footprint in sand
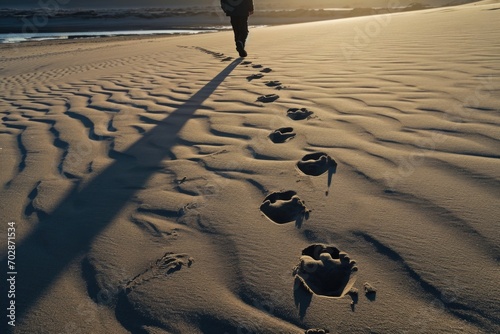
{"x": 284, "y": 207}
{"x": 276, "y": 84}
{"x": 325, "y": 271}
{"x": 298, "y": 114}
{"x": 257, "y": 66}
{"x": 166, "y": 265}
{"x": 273, "y": 83}
{"x": 255, "y": 76}
{"x": 316, "y": 163}
{"x": 268, "y": 98}
{"x": 266, "y": 70}
{"x": 282, "y": 135}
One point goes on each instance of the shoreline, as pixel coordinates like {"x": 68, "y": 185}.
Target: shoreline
{"x": 83, "y": 41}
{"x": 78, "y": 35}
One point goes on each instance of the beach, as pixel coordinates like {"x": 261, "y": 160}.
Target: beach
{"x": 344, "y": 177}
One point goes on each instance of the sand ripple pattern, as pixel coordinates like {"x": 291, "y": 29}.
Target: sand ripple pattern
{"x": 149, "y": 168}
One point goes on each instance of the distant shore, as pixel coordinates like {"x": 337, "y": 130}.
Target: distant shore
{"x": 40, "y": 20}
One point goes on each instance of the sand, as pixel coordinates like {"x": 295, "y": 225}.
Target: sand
{"x": 149, "y": 197}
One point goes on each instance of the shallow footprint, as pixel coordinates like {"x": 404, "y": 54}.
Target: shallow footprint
{"x": 284, "y": 207}
{"x": 166, "y": 265}
{"x": 298, "y": 114}
{"x": 282, "y": 135}
{"x": 326, "y": 271}
{"x": 268, "y": 98}
{"x": 316, "y": 163}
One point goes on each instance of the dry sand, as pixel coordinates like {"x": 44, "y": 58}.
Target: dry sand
{"x": 148, "y": 196}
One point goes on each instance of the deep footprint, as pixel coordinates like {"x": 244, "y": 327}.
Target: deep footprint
{"x": 267, "y": 70}
{"x": 282, "y": 135}
{"x": 298, "y": 114}
{"x": 268, "y": 98}
{"x": 317, "y": 163}
{"x": 325, "y": 271}
{"x": 284, "y": 207}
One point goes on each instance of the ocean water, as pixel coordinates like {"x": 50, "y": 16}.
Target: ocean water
{"x": 18, "y": 38}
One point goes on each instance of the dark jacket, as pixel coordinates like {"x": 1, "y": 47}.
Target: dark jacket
{"x": 237, "y": 7}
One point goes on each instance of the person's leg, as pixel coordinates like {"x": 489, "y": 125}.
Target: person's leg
{"x": 235, "y": 25}
{"x": 243, "y": 29}
{"x": 240, "y": 28}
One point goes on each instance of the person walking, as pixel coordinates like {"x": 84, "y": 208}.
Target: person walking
{"x": 239, "y": 11}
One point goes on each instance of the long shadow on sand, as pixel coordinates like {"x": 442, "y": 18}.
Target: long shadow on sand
{"x": 68, "y": 233}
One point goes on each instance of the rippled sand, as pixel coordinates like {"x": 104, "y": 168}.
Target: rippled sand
{"x": 149, "y": 196}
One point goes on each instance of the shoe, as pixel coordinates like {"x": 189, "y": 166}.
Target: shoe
{"x": 240, "y": 47}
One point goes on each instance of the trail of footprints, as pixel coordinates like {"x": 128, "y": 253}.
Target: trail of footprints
{"x": 322, "y": 270}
